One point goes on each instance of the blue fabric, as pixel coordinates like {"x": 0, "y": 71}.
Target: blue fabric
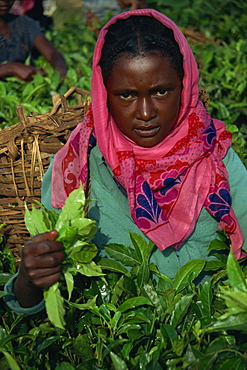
{"x": 22, "y": 33}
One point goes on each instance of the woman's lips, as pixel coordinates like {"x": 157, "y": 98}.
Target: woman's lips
{"x": 147, "y": 132}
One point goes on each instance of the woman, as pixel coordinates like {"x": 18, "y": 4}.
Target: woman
{"x": 158, "y": 164}
{"x": 19, "y": 34}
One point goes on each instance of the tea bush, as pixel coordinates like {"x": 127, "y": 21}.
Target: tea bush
{"x": 135, "y": 318}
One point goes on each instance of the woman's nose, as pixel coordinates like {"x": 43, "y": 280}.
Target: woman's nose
{"x": 145, "y": 109}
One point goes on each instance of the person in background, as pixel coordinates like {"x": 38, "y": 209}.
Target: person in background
{"x": 95, "y": 10}
{"x": 159, "y": 165}
{"x": 132, "y": 4}
{"x": 99, "y": 7}
{"x": 40, "y": 10}
{"x": 19, "y": 34}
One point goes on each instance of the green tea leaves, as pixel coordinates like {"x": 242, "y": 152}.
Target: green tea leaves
{"x": 187, "y": 273}
{"x": 75, "y": 232}
{"x": 55, "y": 306}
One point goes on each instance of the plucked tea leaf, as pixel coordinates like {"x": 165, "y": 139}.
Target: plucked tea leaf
{"x": 54, "y": 306}
{"x": 69, "y": 279}
{"x": 75, "y": 202}
{"x": 74, "y": 231}
{"x": 67, "y": 235}
{"x": 85, "y": 226}
{"x": 49, "y": 217}
{"x": 34, "y": 221}
{"x": 86, "y": 254}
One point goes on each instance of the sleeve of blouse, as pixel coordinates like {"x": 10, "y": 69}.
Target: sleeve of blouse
{"x": 237, "y": 173}
{"x": 13, "y": 303}
{"x": 46, "y": 188}
{"x": 32, "y": 28}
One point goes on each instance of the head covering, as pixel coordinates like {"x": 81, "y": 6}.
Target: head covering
{"x": 167, "y": 185}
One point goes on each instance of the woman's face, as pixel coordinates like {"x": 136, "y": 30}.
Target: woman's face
{"x": 5, "y": 6}
{"x": 144, "y": 97}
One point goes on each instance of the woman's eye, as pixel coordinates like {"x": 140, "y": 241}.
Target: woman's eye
{"x": 162, "y": 92}
{"x": 125, "y": 96}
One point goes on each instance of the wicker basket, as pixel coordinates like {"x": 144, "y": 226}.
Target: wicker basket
{"x": 25, "y": 149}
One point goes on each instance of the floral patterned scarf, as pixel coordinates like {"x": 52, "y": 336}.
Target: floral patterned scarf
{"x": 167, "y": 185}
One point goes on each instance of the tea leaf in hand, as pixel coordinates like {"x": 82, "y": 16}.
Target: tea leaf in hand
{"x": 55, "y": 306}
{"x": 34, "y": 221}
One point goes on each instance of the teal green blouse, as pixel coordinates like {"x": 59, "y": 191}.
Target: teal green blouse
{"x": 109, "y": 208}
{"x": 111, "y": 212}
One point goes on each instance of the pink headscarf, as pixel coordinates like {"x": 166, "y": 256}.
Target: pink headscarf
{"x": 167, "y": 185}
{"x": 20, "y": 7}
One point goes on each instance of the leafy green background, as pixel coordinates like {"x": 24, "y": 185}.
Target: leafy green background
{"x": 133, "y": 317}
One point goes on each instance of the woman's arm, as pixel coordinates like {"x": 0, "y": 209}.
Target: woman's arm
{"x": 19, "y": 70}
{"x": 51, "y": 54}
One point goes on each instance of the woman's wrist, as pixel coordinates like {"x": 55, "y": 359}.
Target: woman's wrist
{"x": 27, "y": 294}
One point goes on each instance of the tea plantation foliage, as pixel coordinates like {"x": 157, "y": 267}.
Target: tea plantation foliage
{"x": 125, "y": 314}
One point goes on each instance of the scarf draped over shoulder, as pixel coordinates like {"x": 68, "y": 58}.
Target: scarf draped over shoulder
{"x": 167, "y": 185}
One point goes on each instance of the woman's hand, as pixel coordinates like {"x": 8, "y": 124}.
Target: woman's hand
{"x": 19, "y": 70}
{"x": 40, "y": 267}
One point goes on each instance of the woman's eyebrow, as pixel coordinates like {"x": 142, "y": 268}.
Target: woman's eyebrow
{"x": 124, "y": 90}
{"x": 163, "y": 86}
